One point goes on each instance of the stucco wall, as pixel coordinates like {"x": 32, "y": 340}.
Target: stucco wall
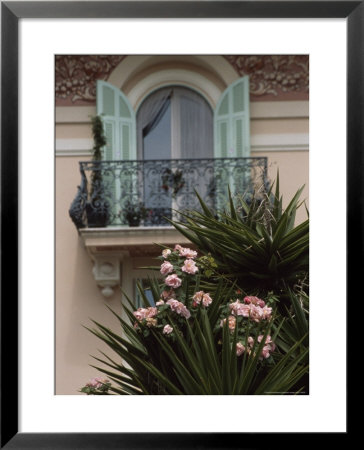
{"x": 77, "y": 296}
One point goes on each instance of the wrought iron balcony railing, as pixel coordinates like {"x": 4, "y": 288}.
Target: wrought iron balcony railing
{"x": 122, "y": 193}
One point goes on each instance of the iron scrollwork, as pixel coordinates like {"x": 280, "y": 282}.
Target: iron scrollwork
{"x": 125, "y": 183}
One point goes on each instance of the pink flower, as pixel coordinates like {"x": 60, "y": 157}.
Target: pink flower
{"x": 197, "y": 298}
{"x": 269, "y": 347}
{"x": 187, "y": 253}
{"x": 206, "y": 300}
{"x": 166, "y": 268}
{"x": 243, "y": 310}
{"x": 151, "y": 312}
{"x": 166, "y": 252}
{"x": 256, "y": 313}
{"x": 160, "y": 303}
{"x": 265, "y": 352}
{"x": 189, "y": 266}
{"x": 266, "y": 312}
{"x": 173, "y": 281}
{"x": 240, "y": 309}
{"x": 254, "y": 300}
{"x": 234, "y": 307}
{"x": 240, "y": 349}
{"x": 168, "y": 294}
{"x": 179, "y": 308}
{"x": 139, "y": 314}
{"x": 201, "y": 296}
{"x": 250, "y": 341}
{"x": 177, "y": 247}
{"x": 167, "y": 329}
{"x": 232, "y": 323}
{"x": 151, "y": 322}
{"x": 268, "y": 339}
{"x": 97, "y": 382}
{"x": 143, "y": 313}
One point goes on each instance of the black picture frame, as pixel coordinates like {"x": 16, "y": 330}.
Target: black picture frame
{"x": 11, "y": 12}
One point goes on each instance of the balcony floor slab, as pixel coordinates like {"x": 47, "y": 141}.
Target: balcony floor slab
{"x": 131, "y": 241}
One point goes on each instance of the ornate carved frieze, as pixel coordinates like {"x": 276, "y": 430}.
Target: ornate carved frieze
{"x": 76, "y": 75}
{"x": 273, "y": 74}
{"x": 270, "y": 75}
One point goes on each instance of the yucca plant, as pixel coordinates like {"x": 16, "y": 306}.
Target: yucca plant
{"x": 256, "y": 244}
{"x": 197, "y": 343}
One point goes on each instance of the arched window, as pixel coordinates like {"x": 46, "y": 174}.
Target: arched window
{"x": 196, "y": 131}
{"x": 174, "y": 123}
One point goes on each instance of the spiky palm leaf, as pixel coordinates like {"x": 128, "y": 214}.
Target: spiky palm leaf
{"x": 202, "y": 361}
{"x": 257, "y": 243}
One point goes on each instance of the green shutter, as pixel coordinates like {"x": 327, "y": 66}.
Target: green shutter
{"x": 223, "y": 138}
{"x": 232, "y": 121}
{"x": 120, "y": 132}
{"x": 108, "y": 101}
{"x": 109, "y": 126}
{"x": 232, "y": 137}
{"x": 117, "y": 112}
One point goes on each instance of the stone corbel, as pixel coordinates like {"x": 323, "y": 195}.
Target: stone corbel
{"x": 109, "y": 247}
{"x": 106, "y": 272}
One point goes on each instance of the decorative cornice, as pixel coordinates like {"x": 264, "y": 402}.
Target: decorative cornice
{"x": 273, "y": 74}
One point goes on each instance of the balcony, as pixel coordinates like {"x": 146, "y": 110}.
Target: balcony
{"x": 121, "y": 208}
{"x": 123, "y": 194}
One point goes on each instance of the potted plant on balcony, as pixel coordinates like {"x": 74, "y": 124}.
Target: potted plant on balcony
{"x": 172, "y": 180}
{"x": 134, "y": 213}
{"x": 97, "y": 207}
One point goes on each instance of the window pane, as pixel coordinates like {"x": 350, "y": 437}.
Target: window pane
{"x": 157, "y": 144}
{"x": 196, "y": 125}
{"x": 147, "y": 291}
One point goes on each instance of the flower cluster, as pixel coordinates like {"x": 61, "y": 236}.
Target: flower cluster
{"x": 253, "y": 307}
{"x": 269, "y": 346}
{"x": 175, "y": 268}
{"x": 231, "y": 323}
{"x": 247, "y": 317}
{"x": 178, "y": 266}
{"x": 179, "y": 308}
{"x": 266, "y": 350}
{"x": 96, "y": 386}
{"x": 203, "y": 298}
{"x": 185, "y": 252}
{"x": 145, "y": 313}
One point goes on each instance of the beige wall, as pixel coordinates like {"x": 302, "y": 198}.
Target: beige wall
{"x": 293, "y": 174}
{"x": 78, "y": 299}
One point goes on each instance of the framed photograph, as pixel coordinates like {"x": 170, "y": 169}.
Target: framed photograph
{"x": 113, "y": 114}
